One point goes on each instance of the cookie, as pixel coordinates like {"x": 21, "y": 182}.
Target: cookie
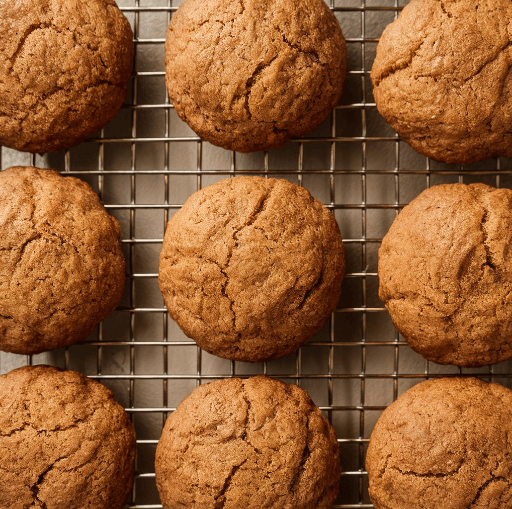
{"x": 443, "y": 443}
{"x": 61, "y": 265}
{"x": 247, "y": 443}
{"x": 64, "y": 442}
{"x": 251, "y": 268}
{"x": 64, "y": 71}
{"x": 249, "y": 75}
{"x": 442, "y": 78}
{"x": 446, "y": 274}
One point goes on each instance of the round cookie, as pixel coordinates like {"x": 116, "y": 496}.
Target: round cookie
{"x": 64, "y": 442}
{"x": 442, "y": 78}
{"x": 446, "y": 274}
{"x": 64, "y": 71}
{"x": 61, "y": 265}
{"x": 248, "y": 443}
{"x": 443, "y": 443}
{"x": 250, "y": 75}
{"x": 251, "y": 268}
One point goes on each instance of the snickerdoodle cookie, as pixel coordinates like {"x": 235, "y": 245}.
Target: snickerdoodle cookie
{"x": 64, "y": 442}
{"x": 64, "y": 71}
{"x": 443, "y": 444}
{"x": 251, "y": 268}
{"x": 446, "y": 274}
{"x": 249, "y": 75}
{"x": 442, "y": 78}
{"x": 248, "y": 443}
{"x": 61, "y": 265}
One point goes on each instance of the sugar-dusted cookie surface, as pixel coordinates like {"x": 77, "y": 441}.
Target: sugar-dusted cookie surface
{"x": 445, "y": 274}
{"x": 248, "y": 443}
{"x": 61, "y": 265}
{"x": 251, "y": 268}
{"x": 442, "y": 78}
{"x": 64, "y": 442}
{"x": 443, "y": 444}
{"x": 64, "y": 71}
{"x": 249, "y": 75}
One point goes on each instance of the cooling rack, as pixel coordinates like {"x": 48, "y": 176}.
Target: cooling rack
{"x": 146, "y": 163}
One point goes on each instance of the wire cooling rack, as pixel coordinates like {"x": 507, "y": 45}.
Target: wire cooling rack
{"x": 146, "y": 163}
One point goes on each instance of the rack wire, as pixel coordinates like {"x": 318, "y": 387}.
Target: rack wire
{"x": 147, "y": 162}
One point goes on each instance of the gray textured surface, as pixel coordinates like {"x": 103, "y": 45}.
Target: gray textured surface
{"x": 356, "y": 365}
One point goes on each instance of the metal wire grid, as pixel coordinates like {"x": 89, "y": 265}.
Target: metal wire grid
{"x": 357, "y": 364}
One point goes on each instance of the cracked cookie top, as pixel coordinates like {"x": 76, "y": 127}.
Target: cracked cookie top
{"x": 61, "y": 265}
{"x": 248, "y": 75}
{"x": 445, "y": 274}
{"x": 251, "y": 268}
{"x": 442, "y": 78}
{"x": 64, "y": 71}
{"x": 64, "y": 442}
{"x": 249, "y": 443}
{"x": 443, "y": 443}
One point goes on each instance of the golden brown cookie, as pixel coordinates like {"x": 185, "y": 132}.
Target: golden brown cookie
{"x": 250, "y": 443}
{"x": 64, "y": 442}
{"x": 64, "y": 71}
{"x": 249, "y": 75}
{"x": 61, "y": 265}
{"x": 251, "y": 268}
{"x": 442, "y": 78}
{"x": 443, "y": 444}
{"x": 446, "y": 274}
